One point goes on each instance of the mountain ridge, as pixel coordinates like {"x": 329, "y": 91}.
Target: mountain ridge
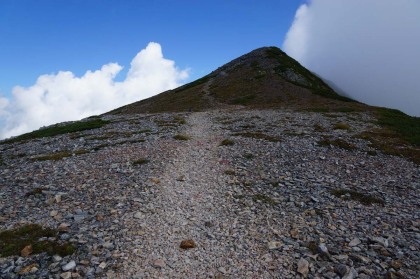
{"x": 265, "y": 77}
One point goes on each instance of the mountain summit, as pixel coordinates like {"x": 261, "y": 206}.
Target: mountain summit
{"x": 265, "y": 77}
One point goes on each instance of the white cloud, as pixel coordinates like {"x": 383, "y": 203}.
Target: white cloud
{"x": 63, "y": 96}
{"x": 368, "y": 48}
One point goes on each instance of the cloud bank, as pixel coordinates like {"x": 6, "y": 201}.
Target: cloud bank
{"x": 368, "y": 48}
{"x": 63, "y": 96}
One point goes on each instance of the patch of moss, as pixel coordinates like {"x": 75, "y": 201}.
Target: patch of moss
{"x": 338, "y": 143}
{"x": 365, "y": 199}
{"x": 226, "y": 142}
{"x": 141, "y": 161}
{"x": 243, "y": 100}
{"x": 408, "y": 127}
{"x": 248, "y": 156}
{"x": 229, "y": 172}
{"x": 53, "y": 156}
{"x": 144, "y": 131}
{"x": 13, "y": 241}
{"x": 256, "y": 135}
{"x": 341, "y": 126}
{"x": 60, "y": 129}
{"x": 34, "y": 192}
{"x": 181, "y": 137}
{"x": 319, "y": 128}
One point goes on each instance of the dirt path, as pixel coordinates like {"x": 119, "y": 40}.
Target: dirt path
{"x": 189, "y": 204}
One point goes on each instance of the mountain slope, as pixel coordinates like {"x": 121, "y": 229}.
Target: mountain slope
{"x": 265, "y": 77}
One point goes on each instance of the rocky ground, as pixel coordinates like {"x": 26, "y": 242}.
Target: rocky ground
{"x": 238, "y": 194}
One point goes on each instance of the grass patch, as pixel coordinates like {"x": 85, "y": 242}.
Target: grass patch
{"x": 141, "y": 161}
{"x": 258, "y": 136}
{"x": 34, "y": 192}
{"x": 181, "y": 137}
{"x": 80, "y": 152}
{"x": 264, "y": 199}
{"x": 341, "y": 126}
{"x": 227, "y": 142}
{"x": 357, "y": 196}
{"x": 13, "y": 241}
{"x": 319, "y": 128}
{"x": 407, "y": 127}
{"x": 338, "y": 143}
{"x": 144, "y": 131}
{"x": 243, "y": 100}
{"x": 229, "y": 172}
{"x": 53, "y": 156}
{"x": 248, "y": 156}
{"x": 59, "y": 130}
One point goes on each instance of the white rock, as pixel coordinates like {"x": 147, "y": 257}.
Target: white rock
{"x": 69, "y": 266}
{"x": 354, "y": 242}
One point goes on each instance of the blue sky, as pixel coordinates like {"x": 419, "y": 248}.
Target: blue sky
{"x": 47, "y": 36}
{"x": 64, "y": 60}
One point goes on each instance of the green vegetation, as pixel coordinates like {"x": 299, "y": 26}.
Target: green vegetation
{"x": 13, "y": 241}
{"x": 141, "y": 161}
{"x": 144, "y": 131}
{"x": 34, "y": 192}
{"x": 53, "y": 156}
{"x": 407, "y": 126}
{"x": 181, "y": 137}
{"x": 264, "y": 199}
{"x": 248, "y": 156}
{"x": 338, "y": 143}
{"x": 60, "y": 129}
{"x": 290, "y": 70}
{"x": 258, "y": 136}
{"x": 243, "y": 100}
{"x": 319, "y": 128}
{"x": 230, "y": 172}
{"x": 227, "y": 142}
{"x": 357, "y": 196}
{"x": 341, "y": 126}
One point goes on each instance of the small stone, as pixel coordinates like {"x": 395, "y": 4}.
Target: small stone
{"x": 303, "y": 267}
{"x": 354, "y": 242}
{"x": 26, "y": 251}
{"x": 222, "y": 270}
{"x": 53, "y": 213}
{"x": 381, "y": 240}
{"x": 352, "y": 273}
{"x": 108, "y": 245}
{"x": 69, "y": 266}
{"x": 138, "y": 215}
{"x": 294, "y": 233}
{"x": 27, "y": 269}
{"x": 272, "y": 245}
{"x": 396, "y": 264}
{"x": 187, "y": 244}
{"x": 63, "y": 227}
{"x": 100, "y": 218}
{"x": 65, "y": 275}
{"x": 57, "y": 198}
{"x": 341, "y": 269}
{"x": 102, "y": 265}
{"x": 56, "y": 258}
{"x": 159, "y": 263}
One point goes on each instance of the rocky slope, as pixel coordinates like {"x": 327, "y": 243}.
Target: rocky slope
{"x": 259, "y": 194}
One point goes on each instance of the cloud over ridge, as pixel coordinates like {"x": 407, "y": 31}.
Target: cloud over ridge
{"x": 63, "y": 96}
{"x": 369, "y": 49}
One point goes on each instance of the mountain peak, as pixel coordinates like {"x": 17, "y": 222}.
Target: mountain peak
{"x": 264, "y": 77}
